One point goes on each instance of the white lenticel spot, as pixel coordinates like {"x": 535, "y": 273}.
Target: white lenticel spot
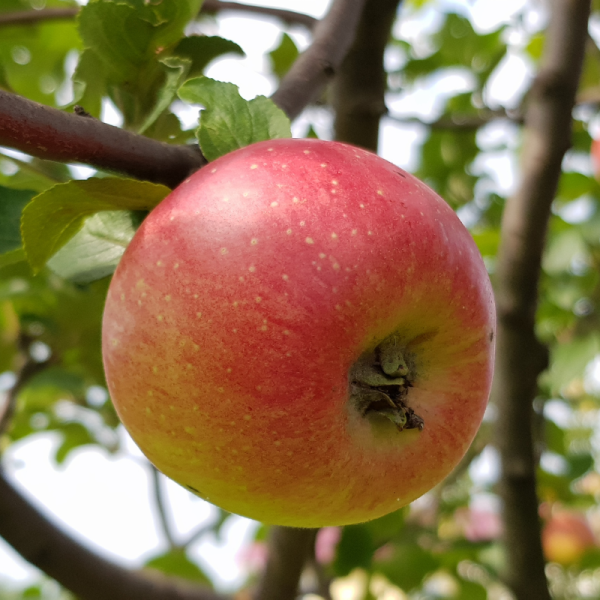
{"x": 321, "y": 255}
{"x": 258, "y": 299}
{"x": 176, "y": 266}
{"x": 171, "y": 218}
{"x": 226, "y": 199}
{"x": 199, "y": 315}
{"x": 334, "y": 236}
{"x": 253, "y": 242}
{"x": 252, "y": 269}
{"x": 380, "y": 192}
{"x": 286, "y": 332}
{"x": 196, "y": 296}
{"x": 369, "y": 233}
{"x": 167, "y": 298}
{"x": 263, "y": 328}
{"x": 223, "y": 250}
{"x": 213, "y": 171}
{"x": 289, "y": 232}
{"x": 302, "y": 223}
{"x": 334, "y": 182}
{"x": 285, "y": 277}
{"x": 295, "y": 200}
{"x": 159, "y": 263}
{"x": 309, "y": 240}
{"x": 323, "y": 164}
{"x": 159, "y": 317}
{"x": 362, "y": 205}
{"x": 284, "y": 166}
{"x": 354, "y": 231}
{"x": 245, "y": 194}
{"x": 336, "y": 267}
{"x": 306, "y": 151}
{"x": 254, "y": 166}
{"x": 274, "y": 204}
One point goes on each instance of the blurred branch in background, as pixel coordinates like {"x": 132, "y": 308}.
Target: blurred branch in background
{"x": 520, "y": 357}
{"x": 25, "y": 17}
{"x": 288, "y": 551}
{"x": 80, "y": 570}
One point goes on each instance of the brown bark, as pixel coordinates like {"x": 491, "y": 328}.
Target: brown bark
{"x": 289, "y": 548}
{"x": 520, "y": 357}
{"x": 358, "y": 92}
{"x": 49, "y": 133}
{"x": 315, "y": 67}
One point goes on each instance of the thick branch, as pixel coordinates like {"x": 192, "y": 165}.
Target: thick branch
{"x": 87, "y": 575}
{"x": 49, "y": 133}
{"x": 289, "y": 549}
{"x": 520, "y": 357}
{"x": 25, "y": 17}
{"x": 359, "y": 87}
{"x": 313, "y": 69}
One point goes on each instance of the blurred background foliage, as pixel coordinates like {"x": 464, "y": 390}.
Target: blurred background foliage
{"x": 445, "y": 545}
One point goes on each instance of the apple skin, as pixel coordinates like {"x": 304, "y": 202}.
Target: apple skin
{"x": 245, "y": 298}
{"x": 566, "y": 537}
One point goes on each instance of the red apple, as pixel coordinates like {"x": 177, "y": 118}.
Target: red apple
{"x": 566, "y": 537}
{"x": 301, "y": 333}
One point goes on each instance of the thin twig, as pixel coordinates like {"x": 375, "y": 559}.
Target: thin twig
{"x": 26, "y": 17}
{"x": 51, "y": 134}
{"x": 315, "y": 67}
{"x": 459, "y": 122}
{"x": 73, "y": 565}
{"x": 161, "y": 508}
{"x": 28, "y": 370}
{"x": 287, "y": 16}
{"x": 520, "y": 357}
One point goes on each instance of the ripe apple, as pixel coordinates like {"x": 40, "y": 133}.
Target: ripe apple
{"x": 301, "y": 333}
{"x": 566, "y": 537}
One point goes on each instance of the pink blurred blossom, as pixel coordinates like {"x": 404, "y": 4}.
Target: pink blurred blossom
{"x": 326, "y": 543}
{"x": 479, "y": 524}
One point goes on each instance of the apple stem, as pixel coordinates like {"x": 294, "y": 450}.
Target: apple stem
{"x": 379, "y": 383}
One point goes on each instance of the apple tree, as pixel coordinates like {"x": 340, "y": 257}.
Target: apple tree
{"x": 493, "y": 109}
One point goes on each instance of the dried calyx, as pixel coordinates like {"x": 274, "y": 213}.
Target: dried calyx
{"x": 379, "y": 383}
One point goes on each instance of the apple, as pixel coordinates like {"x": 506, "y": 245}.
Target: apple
{"x": 301, "y": 333}
{"x": 566, "y": 536}
{"x": 595, "y": 156}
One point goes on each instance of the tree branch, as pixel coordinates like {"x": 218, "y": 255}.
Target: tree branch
{"x": 314, "y": 68}
{"x": 287, "y": 16}
{"x": 28, "y": 370}
{"x": 520, "y": 357}
{"x": 49, "y": 133}
{"x": 358, "y": 91}
{"x": 461, "y": 122}
{"x": 289, "y": 549}
{"x": 159, "y": 501}
{"x": 74, "y": 566}
{"x": 26, "y": 17}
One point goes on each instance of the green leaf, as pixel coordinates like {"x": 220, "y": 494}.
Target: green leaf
{"x": 284, "y": 56}
{"x": 74, "y": 435}
{"x": 354, "y": 550}
{"x": 53, "y": 217}
{"x": 202, "y": 49}
{"x": 569, "y": 360}
{"x": 408, "y": 566}
{"x": 176, "y": 562}
{"x": 469, "y": 590}
{"x": 12, "y": 203}
{"x": 229, "y": 122}
{"x": 89, "y": 82}
{"x": 95, "y": 251}
{"x": 176, "y": 69}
